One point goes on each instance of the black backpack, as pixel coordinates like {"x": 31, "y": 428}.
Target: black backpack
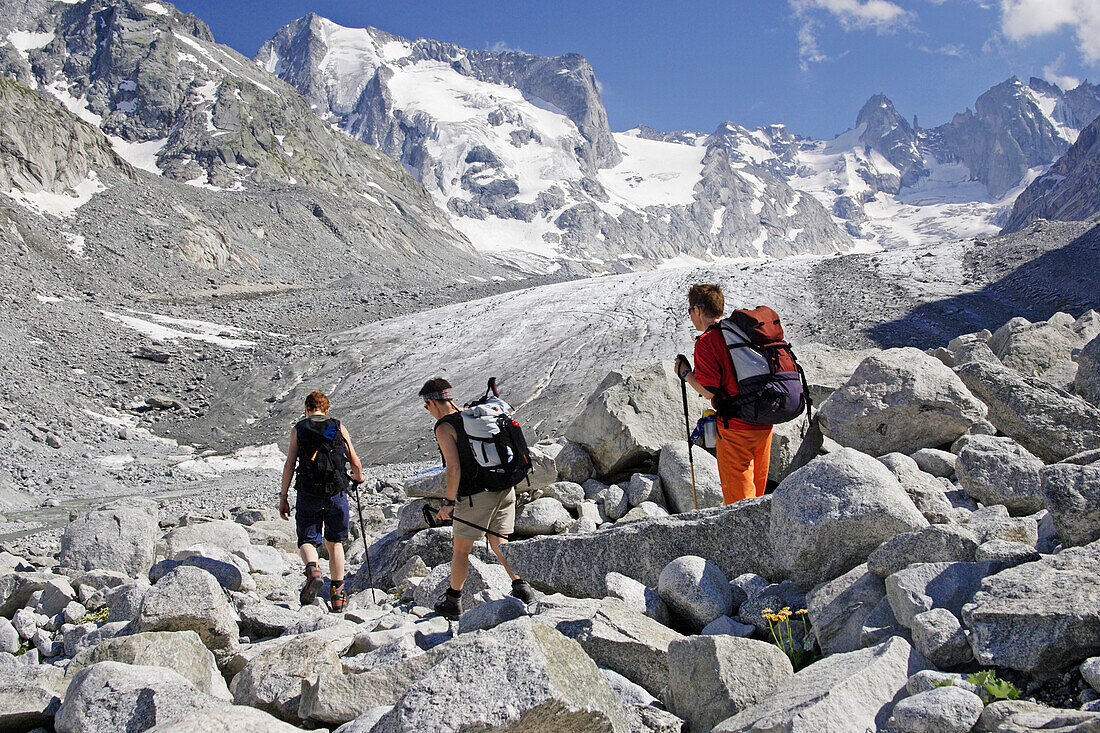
{"x": 321, "y": 458}
{"x": 496, "y": 441}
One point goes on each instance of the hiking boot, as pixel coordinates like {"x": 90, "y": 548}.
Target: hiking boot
{"x": 522, "y": 590}
{"x": 449, "y": 607}
{"x": 338, "y": 599}
{"x": 314, "y": 581}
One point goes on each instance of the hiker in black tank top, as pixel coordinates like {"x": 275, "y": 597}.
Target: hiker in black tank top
{"x": 495, "y": 510}
{"x": 466, "y": 461}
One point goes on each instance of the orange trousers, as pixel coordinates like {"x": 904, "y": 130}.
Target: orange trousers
{"x": 743, "y": 458}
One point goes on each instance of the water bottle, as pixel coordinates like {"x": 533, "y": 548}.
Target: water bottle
{"x": 710, "y": 429}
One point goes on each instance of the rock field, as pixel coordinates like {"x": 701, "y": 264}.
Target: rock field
{"x": 912, "y": 541}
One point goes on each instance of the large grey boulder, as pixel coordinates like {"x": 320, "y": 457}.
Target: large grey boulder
{"x": 520, "y": 676}
{"x": 711, "y": 678}
{"x": 839, "y": 608}
{"x": 188, "y": 598}
{"x": 675, "y": 472}
{"x": 491, "y": 613}
{"x": 926, "y": 491}
{"x": 119, "y": 539}
{"x": 924, "y": 586}
{"x": 830, "y": 514}
{"x": 480, "y": 577}
{"x": 544, "y": 471}
{"x": 939, "y": 637}
{"x": 1087, "y": 382}
{"x": 998, "y": 470}
{"x": 1040, "y": 615}
{"x": 638, "y": 596}
{"x": 272, "y": 681}
{"x": 111, "y": 696}
{"x": 1072, "y": 494}
{"x": 542, "y": 516}
{"x": 180, "y": 651}
{"x": 1048, "y": 422}
{"x": 880, "y": 624}
{"x": 993, "y": 523}
{"x": 696, "y": 591}
{"x": 231, "y": 571}
{"x": 574, "y": 464}
{"x": 332, "y": 697}
{"x": 629, "y": 416}
{"x": 899, "y": 400}
{"x": 735, "y": 538}
{"x": 569, "y": 493}
{"x": 939, "y": 463}
{"x": 853, "y": 692}
{"x": 17, "y": 587}
{"x": 828, "y": 368}
{"x": 936, "y": 543}
{"x": 29, "y": 695}
{"x": 221, "y": 533}
{"x": 227, "y": 719}
{"x": 941, "y": 710}
{"x": 614, "y": 635}
{"x": 790, "y": 441}
{"x": 1036, "y": 347}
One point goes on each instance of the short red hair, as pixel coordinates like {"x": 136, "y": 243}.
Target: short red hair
{"x": 317, "y": 401}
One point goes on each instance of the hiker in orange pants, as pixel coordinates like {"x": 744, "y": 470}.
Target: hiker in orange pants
{"x": 744, "y": 450}
{"x": 743, "y": 459}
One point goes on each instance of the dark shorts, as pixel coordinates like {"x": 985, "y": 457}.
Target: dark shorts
{"x": 312, "y": 513}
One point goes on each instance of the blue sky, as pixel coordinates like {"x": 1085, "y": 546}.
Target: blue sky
{"x": 691, "y": 65}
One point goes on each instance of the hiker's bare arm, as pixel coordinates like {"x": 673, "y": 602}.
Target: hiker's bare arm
{"x": 353, "y": 459}
{"x": 448, "y": 446}
{"x": 288, "y": 474}
{"x": 706, "y": 392}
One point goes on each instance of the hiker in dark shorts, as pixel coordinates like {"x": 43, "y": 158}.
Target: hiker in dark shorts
{"x": 494, "y": 510}
{"x": 319, "y": 449}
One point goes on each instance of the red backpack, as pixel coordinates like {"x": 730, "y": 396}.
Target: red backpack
{"x": 771, "y": 385}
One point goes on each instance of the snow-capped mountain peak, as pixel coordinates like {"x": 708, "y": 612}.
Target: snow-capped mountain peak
{"x": 517, "y": 149}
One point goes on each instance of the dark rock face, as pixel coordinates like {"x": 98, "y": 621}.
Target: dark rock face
{"x": 1068, "y": 191}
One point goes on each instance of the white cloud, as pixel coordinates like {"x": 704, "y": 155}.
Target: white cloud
{"x": 503, "y": 47}
{"x": 1024, "y": 19}
{"x": 956, "y": 50}
{"x": 1051, "y": 74}
{"x": 808, "y": 50}
{"x": 881, "y": 15}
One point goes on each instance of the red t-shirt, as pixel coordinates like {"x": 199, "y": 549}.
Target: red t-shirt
{"x": 714, "y": 369}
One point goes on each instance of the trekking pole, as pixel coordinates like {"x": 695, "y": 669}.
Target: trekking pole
{"x": 687, "y": 426}
{"x": 430, "y": 517}
{"x": 363, "y": 536}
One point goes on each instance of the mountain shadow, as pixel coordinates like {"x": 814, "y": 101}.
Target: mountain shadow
{"x": 1025, "y": 278}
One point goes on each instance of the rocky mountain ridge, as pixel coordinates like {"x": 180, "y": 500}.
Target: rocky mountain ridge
{"x": 1068, "y": 189}
{"x": 518, "y": 175}
{"x": 518, "y": 150}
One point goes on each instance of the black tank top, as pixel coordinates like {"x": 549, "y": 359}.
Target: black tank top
{"x": 467, "y": 484}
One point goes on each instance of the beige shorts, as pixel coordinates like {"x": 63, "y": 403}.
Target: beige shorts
{"x": 493, "y": 509}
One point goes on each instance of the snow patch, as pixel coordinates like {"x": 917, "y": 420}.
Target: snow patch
{"x": 156, "y": 8}
{"x": 61, "y": 205}
{"x": 259, "y": 457}
{"x": 654, "y": 173}
{"x": 160, "y": 332}
{"x": 139, "y": 155}
{"x": 25, "y": 41}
